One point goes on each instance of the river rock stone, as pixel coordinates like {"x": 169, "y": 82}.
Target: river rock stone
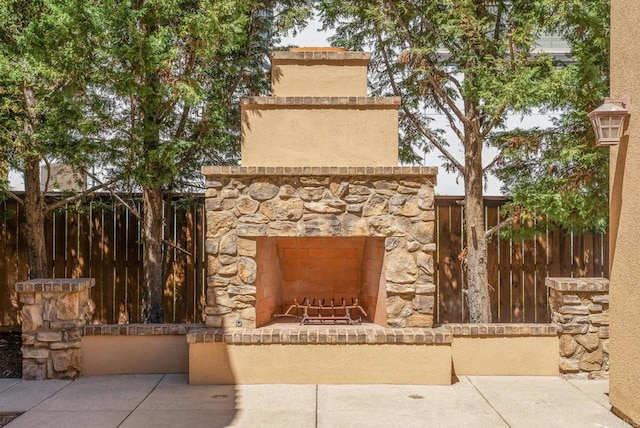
{"x": 290, "y": 210}
{"x": 31, "y": 317}
{"x": 423, "y": 232}
{"x": 225, "y": 259}
{"x": 339, "y": 190}
{"x": 320, "y": 225}
{"x": 283, "y": 228}
{"x": 228, "y": 245}
{"x": 353, "y": 225}
{"x": 228, "y": 270}
{"x": 401, "y": 268}
{"x": 591, "y": 361}
{"x": 569, "y": 365}
{"x": 375, "y": 206}
{"x": 67, "y": 307}
{"x": 588, "y": 341}
{"x": 257, "y": 218}
{"x": 287, "y": 191}
{"x": 397, "y": 307}
{"x": 246, "y": 247}
{"x": 419, "y": 320}
{"x": 423, "y": 304}
{"x": 425, "y": 262}
{"x": 247, "y": 206}
{"x": 229, "y": 193}
{"x": 309, "y": 194}
{"x": 567, "y": 345}
{"x": 219, "y": 223}
{"x": 325, "y": 207}
{"x": 247, "y": 269}
{"x": 426, "y": 198}
{"x": 261, "y": 191}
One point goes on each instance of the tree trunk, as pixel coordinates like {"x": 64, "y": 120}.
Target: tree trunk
{"x": 476, "y": 258}
{"x": 35, "y": 212}
{"x": 152, "y": 256}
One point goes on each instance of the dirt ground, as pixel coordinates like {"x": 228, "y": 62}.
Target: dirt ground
{"x": 10, "y": 354}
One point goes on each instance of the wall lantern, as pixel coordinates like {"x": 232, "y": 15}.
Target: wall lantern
{"x": 608, "y": 120}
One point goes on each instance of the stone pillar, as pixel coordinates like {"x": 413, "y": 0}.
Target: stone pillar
{"x": 580, "y": 309}
{"x": 53, "y": 312}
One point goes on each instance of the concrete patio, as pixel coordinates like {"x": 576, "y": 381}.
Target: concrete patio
{"x": 168, "y": 401}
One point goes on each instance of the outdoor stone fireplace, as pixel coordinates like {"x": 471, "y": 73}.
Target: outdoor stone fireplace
{"x": 319, "y": 209}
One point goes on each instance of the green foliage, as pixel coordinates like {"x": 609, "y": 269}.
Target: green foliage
{"x": 558, "y": 174}
{"x": 44, "y": 66}
{"x": 171, "y": 74}
{"x": 471, "y": 61}
{"x": 468, "y": 60}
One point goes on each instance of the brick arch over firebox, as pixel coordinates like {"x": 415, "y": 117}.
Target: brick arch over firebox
{"x": 255, "y": 214}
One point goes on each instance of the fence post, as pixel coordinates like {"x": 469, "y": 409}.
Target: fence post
{"x": 52, "y": 314}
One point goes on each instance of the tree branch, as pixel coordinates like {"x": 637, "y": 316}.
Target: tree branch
{"x": 504, "y": 223}
{"x": 491, "y": 164}
{"x": 172, "y": 245}
{"x": 495, "y": 120}
{"x": 81, "y": 195}
{"x": 14, "y": 197}
{"x": 417, "y": 122}
{"x": 437, "y": 87}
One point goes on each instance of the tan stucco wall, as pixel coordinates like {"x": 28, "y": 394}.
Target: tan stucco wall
{"x": 308, "y": 136}
{"x": 505, "y": 356}
{"x": 319, "y": 80}
{"x": 624, "y": 289}
{"x": 219, "y": 363}
{"x": 104, "y": 355}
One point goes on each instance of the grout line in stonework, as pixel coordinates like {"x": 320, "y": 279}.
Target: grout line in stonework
{"x": 142, "y": 401}
{"x": 488, "y": 402}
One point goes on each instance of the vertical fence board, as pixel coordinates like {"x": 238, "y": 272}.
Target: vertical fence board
{"x": 504, "y": 270}
{"x": 169, "y": 276}
{"x": 448, "y": 285}
{"x": 188, "y": 295}
{"x": 134, "y": 266}
{"x": 59, "y": 224}
{"x": 517, "y": 286}
{"x": 201, "y": 265}
{"x": 542, "y": 293}
{"x": 97, "y": 294}
{"x": 493, "y": 245}
{"x": 6, "y": 257}
{"x": 529, "y": 284}
{"x": 121, "y": 289}
{"x": 71, "y": 255}
{"x": 108, "y": 263}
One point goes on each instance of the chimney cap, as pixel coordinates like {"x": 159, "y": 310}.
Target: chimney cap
{"x": 318, "y": 49}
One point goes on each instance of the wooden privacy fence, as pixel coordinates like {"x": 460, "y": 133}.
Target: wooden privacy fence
{"x": 517, "y": 268}
{"x": 101, "y": 239}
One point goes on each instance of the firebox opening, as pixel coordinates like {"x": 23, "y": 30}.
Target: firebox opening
{"x": 320, "y": 268}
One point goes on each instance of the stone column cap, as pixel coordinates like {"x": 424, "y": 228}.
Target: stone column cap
{"x": 321, "y": 54}
{"x": 373, "y": 171}
{"x": 62, "y": 285}
{"x": 578, "y": 284}
{"x": 321, "y": 102}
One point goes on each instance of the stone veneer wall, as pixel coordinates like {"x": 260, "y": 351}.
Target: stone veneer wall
{"x": 53, "y": 313}
{"x": 580, "y": 308}
{"x": 246, "y": 203}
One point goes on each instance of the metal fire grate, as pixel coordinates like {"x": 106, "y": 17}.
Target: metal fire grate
{"x": 310, "y": 312}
